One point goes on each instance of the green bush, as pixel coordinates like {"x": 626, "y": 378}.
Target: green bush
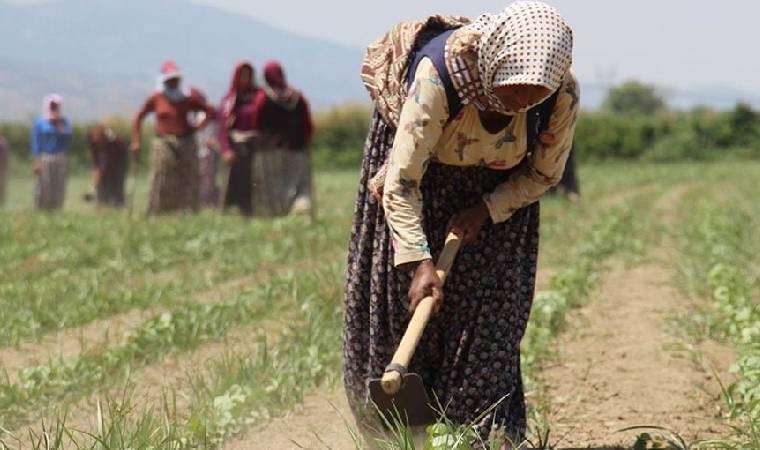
{"x": 340, "y": 135}
{"x": 18, "y": 135}
{"x": 697, "y": 135}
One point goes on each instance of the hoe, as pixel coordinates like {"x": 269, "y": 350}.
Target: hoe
{"x": 401, "y": 394}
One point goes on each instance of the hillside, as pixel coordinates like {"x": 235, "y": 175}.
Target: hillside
{"x": 104, "y": 54}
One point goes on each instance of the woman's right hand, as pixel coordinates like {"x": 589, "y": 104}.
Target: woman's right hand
{"x": 36, "y": 166}
{"x": 228, "y": 157}
{"x": 425, "y": 283}
{"x": 376, "y": 191}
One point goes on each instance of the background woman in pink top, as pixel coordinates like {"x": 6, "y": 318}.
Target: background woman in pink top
{"x": 238, "y": 138}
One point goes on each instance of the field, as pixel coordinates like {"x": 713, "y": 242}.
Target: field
{"x": 211, "y": 331}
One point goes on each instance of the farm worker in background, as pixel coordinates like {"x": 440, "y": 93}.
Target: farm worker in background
{"x": 238, "y": 138}
{"x": 174, "y": 153}
{"x": 466, "y": 137}
{"x": 4, "y": 158}
{"x": 208, "y": 155}
{"x": 282, "y": 170}
{"x": 50, "y": 141}
{"x": 569, "y": 185}
{"x": 109, "y": 165}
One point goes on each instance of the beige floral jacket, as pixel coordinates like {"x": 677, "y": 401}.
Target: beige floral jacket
{"x": 426, "y": 134}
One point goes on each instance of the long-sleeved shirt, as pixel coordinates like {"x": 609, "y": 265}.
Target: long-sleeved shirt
{"x": 49, "y": 138}
{"x": 172, "y": 118}
{"x": 286, "y": 117}
{"x": 242, "y": 117}
{"x": 425, "y": 133}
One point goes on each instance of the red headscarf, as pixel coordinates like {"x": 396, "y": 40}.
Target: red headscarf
{"x": 275, "y": 76}
{"x": 228, "y": 102}
{"x": 235, "y": 81}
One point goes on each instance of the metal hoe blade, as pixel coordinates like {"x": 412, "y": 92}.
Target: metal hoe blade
{"x": 411, "y": 404}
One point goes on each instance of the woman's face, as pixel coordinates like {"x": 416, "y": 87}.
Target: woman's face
{"x": 245, "y": 78}
{"x": 172, "y": 83}
{"x": 520, "y": 96}
{"x": 55, "y": 109}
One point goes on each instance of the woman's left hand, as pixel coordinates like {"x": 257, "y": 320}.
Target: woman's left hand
{"x": 467, "y": 223}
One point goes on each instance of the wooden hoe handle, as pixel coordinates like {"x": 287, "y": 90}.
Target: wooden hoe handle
{"x": 391, "y": 381}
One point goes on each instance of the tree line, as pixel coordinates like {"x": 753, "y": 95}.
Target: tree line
{"x": 634, "y": 123}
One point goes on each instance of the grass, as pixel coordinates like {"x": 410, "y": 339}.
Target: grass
{"x": 719, "y": 263}
{"x": 66, "y": 270}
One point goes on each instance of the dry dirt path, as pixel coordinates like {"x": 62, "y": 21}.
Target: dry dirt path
{"x": 618, "y": 365}
{"x": 323, "y": 421}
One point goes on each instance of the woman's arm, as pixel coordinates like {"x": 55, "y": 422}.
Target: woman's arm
{"x": 544, "y": 167}
{"x": 199, "y": 103}
{"x": 423, "y": 116}
{"x": 308, "y": 123}
{"x": 34, "y": 140}
{"x": 146, "y": 109}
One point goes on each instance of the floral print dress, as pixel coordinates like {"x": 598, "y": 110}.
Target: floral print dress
{"x": 469, "y": 355}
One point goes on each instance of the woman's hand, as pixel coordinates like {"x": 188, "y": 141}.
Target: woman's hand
{"x": 228, "y": 157}
{"x": 97, "y": 175}
{"x": 376, "y": 191}
{"x": 36, "y": 166}
{"x": 425, "y": 283}
{"x": 467, "y": 223}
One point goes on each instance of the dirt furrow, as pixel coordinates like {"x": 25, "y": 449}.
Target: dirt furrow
{"x": 323, "y": 421}
{"x": 99, "y": 334}
{"x": 617, "y": 367}
{"x": 147, "y": 389}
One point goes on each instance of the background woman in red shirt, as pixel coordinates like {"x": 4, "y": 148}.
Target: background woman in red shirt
{"x": 174, "y": 153}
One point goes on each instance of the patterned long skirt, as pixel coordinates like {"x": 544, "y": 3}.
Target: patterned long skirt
{"x": 208, "y": 189}
{"x": 237, "y": 191}
{"x": 50, "y": 190}
{"x": 469, "y": 356}
{"x": 280, "y": 177}
{"x": 174, "y": 183}
{"x": 110, "y": 190}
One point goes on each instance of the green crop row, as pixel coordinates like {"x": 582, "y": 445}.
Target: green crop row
{"x": 720, "y": 248}
{"x": 56, "y": 276}
{"x": 180, "y": 330}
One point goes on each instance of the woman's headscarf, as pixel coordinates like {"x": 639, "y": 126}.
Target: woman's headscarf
{"x": 275, "y": 75}
{"x": 171, "y": 71}
{"x": 278, "y": 88}
{"x": 229, "y": 101}
{"x": 235, "y": 80}
{"x": 527, "y": 43}
{"x": 47, "y": 105}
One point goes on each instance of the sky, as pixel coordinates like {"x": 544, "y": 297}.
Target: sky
{"x": 676, "y": 44}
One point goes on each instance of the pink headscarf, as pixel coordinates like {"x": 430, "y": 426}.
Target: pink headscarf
{"x": 275, "y": 76}
{"x": 47, "y": 105}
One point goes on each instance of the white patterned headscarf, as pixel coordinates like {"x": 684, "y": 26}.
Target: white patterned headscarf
{"x": 528, "y": 43}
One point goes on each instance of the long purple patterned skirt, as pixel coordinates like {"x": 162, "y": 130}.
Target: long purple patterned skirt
{"x": 469, "y": 355}
{"x": 174, "y": 181}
